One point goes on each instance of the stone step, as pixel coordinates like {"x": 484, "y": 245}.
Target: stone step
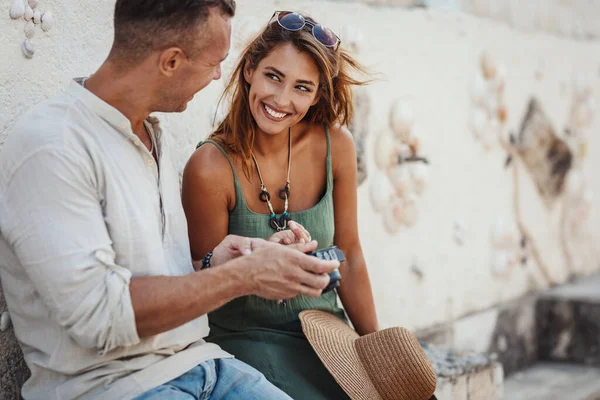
{"x": 465, "y": 375}
{"x": 568, "y": 322}
{"x": 554, "y": 381}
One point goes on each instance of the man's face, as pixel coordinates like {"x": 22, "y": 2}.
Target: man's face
{"x": 195, "y": 74}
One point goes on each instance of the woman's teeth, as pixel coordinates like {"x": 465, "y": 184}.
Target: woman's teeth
{"x": 273, "y": 113}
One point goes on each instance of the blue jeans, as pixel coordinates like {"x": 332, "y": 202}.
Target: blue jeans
{"x": 224, "y": 378}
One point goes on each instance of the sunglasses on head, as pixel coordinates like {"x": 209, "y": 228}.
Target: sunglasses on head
{"x": 292, "y": 21}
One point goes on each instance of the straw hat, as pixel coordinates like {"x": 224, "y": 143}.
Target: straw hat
{"x": 385, "y": 365}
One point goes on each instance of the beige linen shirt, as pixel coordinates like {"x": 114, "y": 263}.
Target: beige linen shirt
{"x": 84, "y": 208}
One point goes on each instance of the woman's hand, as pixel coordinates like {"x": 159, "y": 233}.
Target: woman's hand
{"x": 296, "y": 234}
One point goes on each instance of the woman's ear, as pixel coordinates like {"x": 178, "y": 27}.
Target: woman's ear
{"x": 248, "y": 72}
{"x": 317, "y": 98}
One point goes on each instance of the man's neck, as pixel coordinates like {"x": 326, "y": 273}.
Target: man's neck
{"x": 125, "y": 92}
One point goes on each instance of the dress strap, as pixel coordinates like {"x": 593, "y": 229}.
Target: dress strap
{"x": 218, "y": 146}
{"x": 328, "y": 160}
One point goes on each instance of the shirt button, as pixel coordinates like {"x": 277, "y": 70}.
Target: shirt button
{"x": 124, "y": 125}
{"x": 137, "y": 143}
{"x": 150, "y": 162}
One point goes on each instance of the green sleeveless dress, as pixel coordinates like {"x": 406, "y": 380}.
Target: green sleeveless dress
{"x": 268, "y": 335}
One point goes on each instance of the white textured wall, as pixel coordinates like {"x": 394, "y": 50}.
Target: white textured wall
{"x": 429, "y": 56}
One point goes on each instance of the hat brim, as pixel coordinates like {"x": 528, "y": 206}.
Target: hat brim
{"x": 333, "y": 341}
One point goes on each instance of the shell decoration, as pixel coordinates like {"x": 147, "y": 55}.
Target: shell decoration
{"x": 401, "y": 174}
{"x": 28, "y": 13}
{"x": 29, "y": 30}
{"x": 28, "y": 48}
{"x": 47, "y": 21}
{"x": 37, "y": 17}
{"x": 17, "y": 9}
{"x": 489, "y": 113}
{"x": 33, "y": 16}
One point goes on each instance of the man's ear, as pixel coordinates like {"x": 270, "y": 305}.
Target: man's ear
{"x": 170, "y": 60}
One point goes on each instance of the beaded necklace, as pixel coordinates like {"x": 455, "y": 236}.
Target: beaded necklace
{"x": 284, "y": 194}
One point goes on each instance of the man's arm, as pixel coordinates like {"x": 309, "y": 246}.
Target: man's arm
{"x": 52, "y": 218}
{"x": 272, "y": 271}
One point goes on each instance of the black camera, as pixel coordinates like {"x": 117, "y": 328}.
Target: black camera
{"x": 331, "y": 253}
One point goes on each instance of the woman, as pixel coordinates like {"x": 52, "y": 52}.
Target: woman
{"x": 280, "y": 158}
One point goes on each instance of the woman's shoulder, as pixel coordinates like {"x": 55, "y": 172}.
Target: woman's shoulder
{"x": 208, "y": 162}
{"x": 342, "y": 141}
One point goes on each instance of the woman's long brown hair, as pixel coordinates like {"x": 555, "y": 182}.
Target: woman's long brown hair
{"x": 238, "y": 129}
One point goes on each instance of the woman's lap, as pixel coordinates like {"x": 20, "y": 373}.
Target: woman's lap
{"x": 287, "y": 360}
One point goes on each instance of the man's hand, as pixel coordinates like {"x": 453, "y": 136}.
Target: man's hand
{"x": 233, "y": 246}
{"x": 296, "y": 234}
{"x": 282, "y": 272}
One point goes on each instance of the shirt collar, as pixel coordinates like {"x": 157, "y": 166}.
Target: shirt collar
{"x": 107, "y": 112}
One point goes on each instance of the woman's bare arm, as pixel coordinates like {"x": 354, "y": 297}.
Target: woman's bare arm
{"x": 208, "y": 193}
{"x": 355, "y": 287}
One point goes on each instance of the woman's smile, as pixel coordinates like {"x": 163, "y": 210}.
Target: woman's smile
{"x": 274, "y": 114}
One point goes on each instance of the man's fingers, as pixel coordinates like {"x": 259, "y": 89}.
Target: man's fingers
{"x": 313, "y": 281}
{"x": 316, "y": 266}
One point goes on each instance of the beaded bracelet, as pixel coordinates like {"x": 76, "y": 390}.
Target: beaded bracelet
{"x": 206, "y": 260}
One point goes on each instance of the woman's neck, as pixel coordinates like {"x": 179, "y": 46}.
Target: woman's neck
{"x": 267, "y": 144}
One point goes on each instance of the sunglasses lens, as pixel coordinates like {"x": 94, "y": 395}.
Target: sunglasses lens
{"x": 325, "y": 35}
{"x": 291, "y": 21}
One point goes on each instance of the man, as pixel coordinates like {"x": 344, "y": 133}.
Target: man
{"x": 96, "y": 264}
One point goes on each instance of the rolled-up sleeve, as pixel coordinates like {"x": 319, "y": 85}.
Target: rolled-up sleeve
{"x": 52, "y": 218}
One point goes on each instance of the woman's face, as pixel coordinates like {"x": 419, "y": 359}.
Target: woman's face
{"x": 283, "y": 87}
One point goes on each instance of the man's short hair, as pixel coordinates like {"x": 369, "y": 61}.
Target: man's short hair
{"x": 143, "y": 26}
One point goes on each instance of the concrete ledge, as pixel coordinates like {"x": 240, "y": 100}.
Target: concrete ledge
{"x": 506, "y": 331}
{"x": 568, "y": 322}
{"x": 466, "y": 376}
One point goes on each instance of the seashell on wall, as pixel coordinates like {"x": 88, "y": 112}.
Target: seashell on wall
{"x": 385, "y": 155}
{"x": 400, "y": 179}
{"x": 393, "y": 220}
{"x": 28, "y": 14}
{"x": 17, "y": 9}
{"x": 380, "y": 191}
{"x": 37, "y": 16}
{"x": 29, "y": 30}
{"x": 411, "y": 211}
{"x": 478, "y": 121}
{"x": 488, "y": 65}
{"x": 419, "y": 173}
{"x": 47, "y": 21}
{"x": 478, "y": 89}
{"x": 402, "y": 150}
{"x": 401, "y": 119}
{"x": 28, "y": 48}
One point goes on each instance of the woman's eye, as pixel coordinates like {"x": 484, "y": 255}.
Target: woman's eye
{"x": 303, "y": 89}
{"x": 273, "y": 77}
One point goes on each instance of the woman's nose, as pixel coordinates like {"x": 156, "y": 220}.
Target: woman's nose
{"x": 282, "y": 98}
